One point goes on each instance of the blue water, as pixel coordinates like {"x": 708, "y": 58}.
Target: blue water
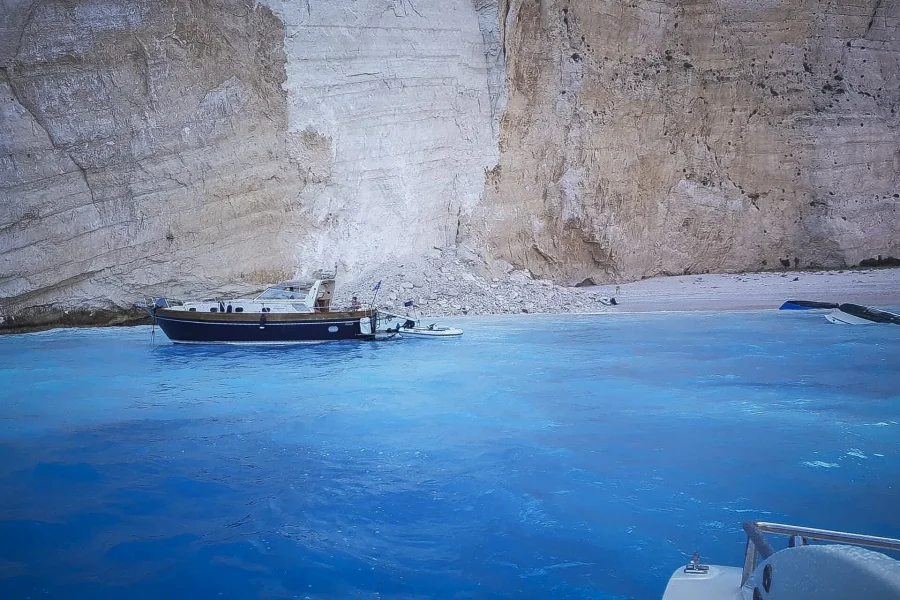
{"x": 535, "y": 457}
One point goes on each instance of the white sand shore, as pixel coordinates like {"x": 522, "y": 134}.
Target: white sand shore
{"x": 754, "y": 291}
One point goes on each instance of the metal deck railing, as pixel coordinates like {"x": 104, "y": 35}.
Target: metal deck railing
{"x": 757, "y": 545}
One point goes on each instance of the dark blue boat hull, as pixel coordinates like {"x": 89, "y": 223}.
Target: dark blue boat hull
{"x": 806, "y": 305}
{"x": 265, "y": 331}
{"x": 871, "y": 314}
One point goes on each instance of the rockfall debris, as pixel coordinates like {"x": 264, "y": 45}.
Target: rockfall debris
{"x": 455, "y": 281}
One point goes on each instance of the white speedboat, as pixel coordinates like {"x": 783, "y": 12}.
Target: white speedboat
{"x": 842, "y": 318}
{"x": 429, "y": 330}
{"x": 854, "y": 314}
{"x": 837, "y": 566}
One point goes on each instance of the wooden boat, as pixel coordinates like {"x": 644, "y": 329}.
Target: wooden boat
{"x": 293, "y": 311}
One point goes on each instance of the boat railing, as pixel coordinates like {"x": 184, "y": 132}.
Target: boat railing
{"x": 151, "y": 302}
{"x": 758, "y": 546}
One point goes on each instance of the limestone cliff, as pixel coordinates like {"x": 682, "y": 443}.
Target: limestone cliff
{"x": 182, "y": 147}
{"x": 142, "y": 145}
{"x": 714, "y": 135}
{"x": 399, "y": 89}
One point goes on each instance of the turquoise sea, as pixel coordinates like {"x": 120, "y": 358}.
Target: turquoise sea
{"x": 535, "y": 457}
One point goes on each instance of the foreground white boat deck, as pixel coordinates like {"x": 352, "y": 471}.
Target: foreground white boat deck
{"x": 844, "y": 569}
{"x": 717, "y": 582}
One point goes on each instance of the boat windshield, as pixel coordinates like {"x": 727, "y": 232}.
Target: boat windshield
{"x": 275, "y": 293}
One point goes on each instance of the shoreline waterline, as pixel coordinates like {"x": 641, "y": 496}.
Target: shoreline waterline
{"x": 719, "y": 292}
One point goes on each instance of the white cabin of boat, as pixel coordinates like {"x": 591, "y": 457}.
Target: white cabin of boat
{"x": 293, "y": 296}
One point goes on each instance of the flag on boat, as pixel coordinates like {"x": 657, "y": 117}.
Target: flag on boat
{"x": 377, "y": 287}
{"x": 408, "y": 303}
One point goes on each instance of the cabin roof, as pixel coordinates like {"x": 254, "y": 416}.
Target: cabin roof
{"x": 297, "y": 283}
{"x": 294, "y": 283}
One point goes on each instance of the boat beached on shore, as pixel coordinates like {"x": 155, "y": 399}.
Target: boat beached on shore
{"x": 806, "y": 305}
{"x": 854, "y": 314}
{"x": 845, "y": 314}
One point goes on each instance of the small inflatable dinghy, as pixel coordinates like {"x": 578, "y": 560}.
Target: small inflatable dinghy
{"x": 429, "y": 331}
{"x": 405, "y": 325}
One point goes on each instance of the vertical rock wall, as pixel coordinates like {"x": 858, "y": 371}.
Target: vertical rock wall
{"x": 143, "y": 146}
{"x": 395, "y": 93}
{"x": 674, "y": 137}
{"x": 185, "y": 147}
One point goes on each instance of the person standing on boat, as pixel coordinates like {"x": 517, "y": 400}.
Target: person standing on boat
{"x": 354, "y": 303}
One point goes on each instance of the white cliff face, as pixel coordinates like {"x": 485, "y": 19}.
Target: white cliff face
{"x": 183, "y": 147}
{"x": 142, "y": 150}
{"x": 395, "y": 95}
